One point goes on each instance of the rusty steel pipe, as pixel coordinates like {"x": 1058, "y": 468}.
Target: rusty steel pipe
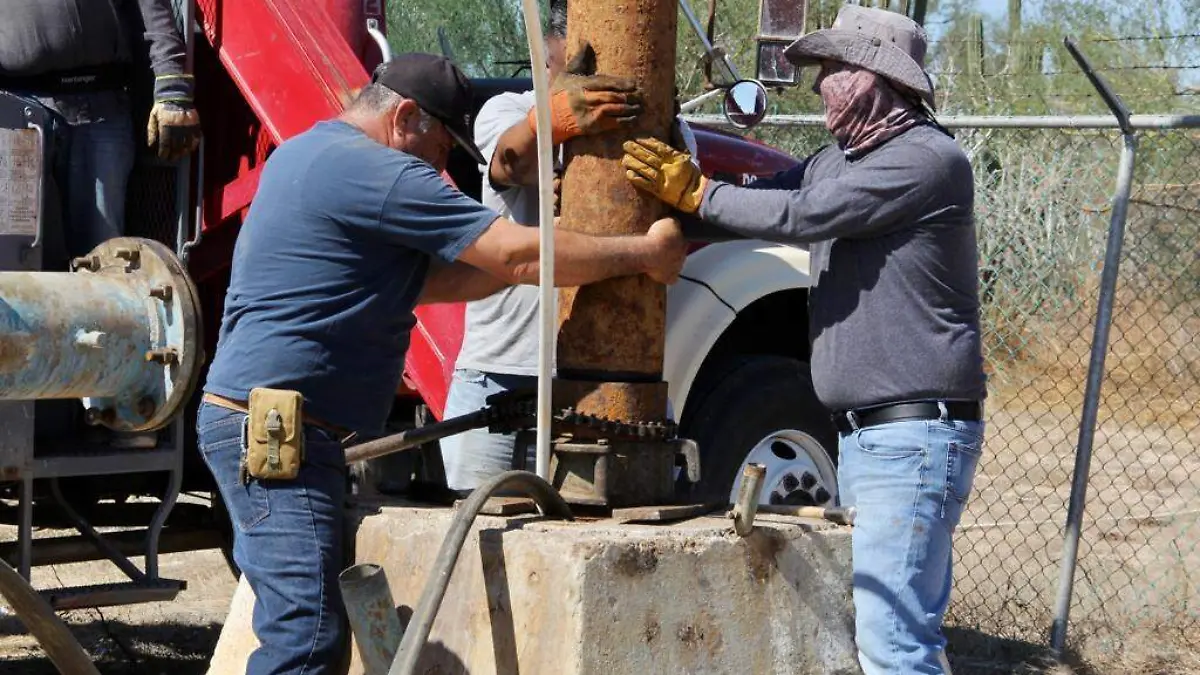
{"x": 121, "y": 332}
{"x": 614, "y": 330}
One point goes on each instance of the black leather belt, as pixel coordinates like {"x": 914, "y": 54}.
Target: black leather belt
{"x": 75, "y": 81}
{"x": 850, "y": 420}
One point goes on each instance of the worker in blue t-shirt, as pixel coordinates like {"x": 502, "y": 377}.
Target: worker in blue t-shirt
{"x": 352, "y": 227}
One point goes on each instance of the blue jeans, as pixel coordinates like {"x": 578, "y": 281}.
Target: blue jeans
{"x": 909, "y": 481}
{"x": 472, "y": 457}
{"x": 99, "y": 156}
{"x": 288, "y": 541}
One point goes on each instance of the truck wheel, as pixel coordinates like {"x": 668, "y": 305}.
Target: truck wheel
{"x": 762, "y": 409}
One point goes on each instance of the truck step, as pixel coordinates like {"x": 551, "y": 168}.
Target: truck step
{"x": 108, "y": 595}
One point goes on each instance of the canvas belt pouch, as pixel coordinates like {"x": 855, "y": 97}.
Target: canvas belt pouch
{"x": 274, "y": 445}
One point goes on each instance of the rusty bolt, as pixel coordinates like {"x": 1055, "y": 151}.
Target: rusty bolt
{"x": 90, "y": 263}
{"x": 95, "y": 416}
{"x": 162, "y": 292}
{"x": 165, "y": 356}
{"x": 146, "y": 407}
{"x": 130, "y": 255}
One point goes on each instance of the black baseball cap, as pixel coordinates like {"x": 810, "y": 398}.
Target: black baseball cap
{"x": 439, "y": 87}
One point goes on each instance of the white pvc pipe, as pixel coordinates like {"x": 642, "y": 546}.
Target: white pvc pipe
{"x": 548, "y": 304}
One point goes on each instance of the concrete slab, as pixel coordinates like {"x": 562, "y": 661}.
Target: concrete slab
{"x": 599, "y": 598}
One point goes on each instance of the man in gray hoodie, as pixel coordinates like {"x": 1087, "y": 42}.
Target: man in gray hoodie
{"x": 894, "y": 313}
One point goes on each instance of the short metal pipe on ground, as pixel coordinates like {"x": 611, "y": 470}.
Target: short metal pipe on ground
{"x": 372, "y": 615}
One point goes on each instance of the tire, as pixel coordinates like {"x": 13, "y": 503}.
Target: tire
{"x": 761, "y": 409}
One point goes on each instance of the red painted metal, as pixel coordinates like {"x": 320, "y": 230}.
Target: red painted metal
{"x": 725, "y": 153}
{"x": 287, "y": 57}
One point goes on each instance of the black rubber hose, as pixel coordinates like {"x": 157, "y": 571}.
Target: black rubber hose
{"x": 549, "y": 502}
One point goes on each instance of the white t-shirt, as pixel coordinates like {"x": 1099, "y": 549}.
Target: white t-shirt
{"x": 501, "y": 332}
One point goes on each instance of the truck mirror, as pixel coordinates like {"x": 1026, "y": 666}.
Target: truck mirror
{"x": 772, "y": 67}
{"x": 780, "y": 22}
{"x": 745, "y": 103}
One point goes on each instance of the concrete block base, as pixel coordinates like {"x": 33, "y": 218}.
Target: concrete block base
{"x": 597, "y": 598}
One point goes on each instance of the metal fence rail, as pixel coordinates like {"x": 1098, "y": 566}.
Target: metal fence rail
{"x": 1043, "y": 204}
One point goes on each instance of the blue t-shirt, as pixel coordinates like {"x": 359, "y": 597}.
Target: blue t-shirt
{"x": 327, "y": 269}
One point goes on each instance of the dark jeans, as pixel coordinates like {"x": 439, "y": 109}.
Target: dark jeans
{"x": 288, "y": 541}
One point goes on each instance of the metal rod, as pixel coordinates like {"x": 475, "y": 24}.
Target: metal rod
{"x": 549, "y": 502}
{"x": 25, "y": 531}
{"x": 547, "y": 300}
{"x": 39, "y": 618}
{"x": 372, "y": 616}
{"x": 168, "y": 501}
{"x": 385, "y": 49}
{"x": 708, "y": 45}
{"x": 78, "y": 548}
{"x": 1095, "y": 378}
{"x": 183, "y": 177}
{"x": 85, "y": 528}
{"x": 992, "y": 122}
{"x": 748, "y": 495}
{"x": 407, "y": 440}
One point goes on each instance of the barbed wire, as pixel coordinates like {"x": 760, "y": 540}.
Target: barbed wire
{"x": 1157, "y": 66}
{"x": 1119, "y": 38}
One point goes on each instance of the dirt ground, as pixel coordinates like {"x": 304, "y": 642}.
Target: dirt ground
{"x": 167, "y": 638}
{"x": 1136, "y": 596}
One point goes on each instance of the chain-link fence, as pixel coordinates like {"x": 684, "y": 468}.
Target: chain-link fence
{"x": 1043, "y": 206}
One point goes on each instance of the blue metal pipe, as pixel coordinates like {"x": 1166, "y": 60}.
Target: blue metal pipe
{"x": 122, "y": 333}
{"x": 72, "y": 336}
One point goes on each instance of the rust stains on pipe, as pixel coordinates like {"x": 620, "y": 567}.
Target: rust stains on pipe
{"x": 617, "y": 326}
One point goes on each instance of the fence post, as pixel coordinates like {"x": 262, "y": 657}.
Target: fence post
{"x": 1095, "y": 378}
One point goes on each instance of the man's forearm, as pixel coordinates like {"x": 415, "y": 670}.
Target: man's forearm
{"x": 458, "y": 283}
{"x": 581, "y": 259}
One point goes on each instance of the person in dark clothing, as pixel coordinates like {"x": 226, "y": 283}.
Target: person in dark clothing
{"x": 75, "y": 57}
{"x": 893, "y": 313}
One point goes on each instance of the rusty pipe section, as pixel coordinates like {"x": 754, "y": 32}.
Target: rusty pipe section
{"x": 614, "y": 330}
{"x": 121, "y": 332}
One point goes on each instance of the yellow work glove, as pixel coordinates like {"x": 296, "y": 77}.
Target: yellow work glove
{"x": 173, "y": 130}
{"x": 666, "y": 173}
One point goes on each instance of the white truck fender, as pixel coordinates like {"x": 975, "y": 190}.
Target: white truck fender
{"x": 721, "y": 280}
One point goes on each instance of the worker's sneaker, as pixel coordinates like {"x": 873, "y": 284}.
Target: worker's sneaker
{"x": 134, "y": 439}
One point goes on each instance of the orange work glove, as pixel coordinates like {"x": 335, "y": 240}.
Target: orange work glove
{"x": 173, "y": 129}
{"x": 655, "y": 167}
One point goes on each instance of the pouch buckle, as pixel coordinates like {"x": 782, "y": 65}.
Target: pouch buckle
{"x": 274, "y": 434}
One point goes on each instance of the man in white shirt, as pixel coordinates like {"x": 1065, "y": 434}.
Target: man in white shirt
{"x": 500, "y": 339}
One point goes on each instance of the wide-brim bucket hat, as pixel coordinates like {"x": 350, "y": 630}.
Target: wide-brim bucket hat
{"x": 883, "y": 42}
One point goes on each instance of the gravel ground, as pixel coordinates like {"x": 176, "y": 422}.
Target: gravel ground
{"x": 171, "y": 638}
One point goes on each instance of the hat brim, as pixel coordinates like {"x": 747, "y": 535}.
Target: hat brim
{"x": 464, "y": 141}
{"x": 859, "y": 50}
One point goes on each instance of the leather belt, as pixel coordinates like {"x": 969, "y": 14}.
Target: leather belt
{"x": 74, "y": 81}
{"x": 242, "y": 407}
{"x": 851, "y": 420}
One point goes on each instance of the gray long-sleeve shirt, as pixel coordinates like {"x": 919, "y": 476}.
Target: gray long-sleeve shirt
{"x": 54, "y": 36}
{"x": 894, "y": 311}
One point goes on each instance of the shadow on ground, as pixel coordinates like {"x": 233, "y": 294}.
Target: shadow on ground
{"x": 976, "y": 653}
{"x": 117, "y": 648}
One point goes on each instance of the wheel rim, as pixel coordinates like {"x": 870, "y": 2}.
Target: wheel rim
{"x": 799, "y": 471}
